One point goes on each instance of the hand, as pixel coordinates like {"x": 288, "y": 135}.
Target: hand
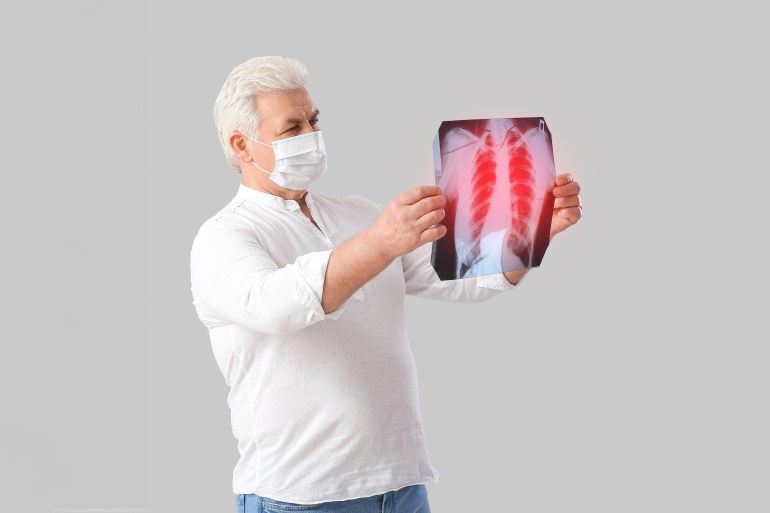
{"x": 407, "y": 221}
{"x": 567, "y": 209}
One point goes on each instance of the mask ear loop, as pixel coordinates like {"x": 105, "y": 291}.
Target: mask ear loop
{"x": 252, "y": 158}
{"x": 266, "y": 171}
{"x": 260, "y": 142}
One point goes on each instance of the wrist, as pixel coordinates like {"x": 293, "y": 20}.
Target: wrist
{"x": 376, "y": 248}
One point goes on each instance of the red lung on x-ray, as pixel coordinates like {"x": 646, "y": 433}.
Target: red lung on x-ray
{"x": 497, "y": 176}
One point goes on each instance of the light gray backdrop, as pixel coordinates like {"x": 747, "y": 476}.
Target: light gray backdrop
{"x": 628, "y": 373}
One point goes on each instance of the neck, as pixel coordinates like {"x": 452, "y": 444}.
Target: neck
{"x": 271, "y": 187}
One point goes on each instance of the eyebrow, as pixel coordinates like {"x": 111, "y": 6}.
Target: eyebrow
{"x": 296, "y": 121}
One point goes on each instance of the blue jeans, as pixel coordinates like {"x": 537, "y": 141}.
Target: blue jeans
{"x": 410, "y": 499}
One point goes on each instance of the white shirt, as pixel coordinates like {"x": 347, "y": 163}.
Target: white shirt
{"x": 324, "y": 406}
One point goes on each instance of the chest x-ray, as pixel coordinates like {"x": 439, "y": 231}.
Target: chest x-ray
{"x": 497, "y": 175}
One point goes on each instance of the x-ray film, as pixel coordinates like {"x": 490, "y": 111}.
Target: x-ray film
{"x": 497, "y": 176}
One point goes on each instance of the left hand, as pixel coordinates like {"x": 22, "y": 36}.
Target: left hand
{"x": 567, "y": 209}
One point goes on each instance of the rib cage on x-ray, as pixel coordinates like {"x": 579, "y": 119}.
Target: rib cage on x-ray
{"x": 496, "y": 175}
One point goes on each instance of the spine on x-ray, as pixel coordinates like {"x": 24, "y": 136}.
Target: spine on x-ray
{"x": 522, "y": 183}
{"x": 482, "y": 187}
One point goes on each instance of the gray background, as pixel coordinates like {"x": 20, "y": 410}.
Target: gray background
{"x": 628, "y": 373}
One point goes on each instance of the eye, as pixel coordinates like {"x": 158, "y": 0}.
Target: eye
{"x": 314, "y": 122}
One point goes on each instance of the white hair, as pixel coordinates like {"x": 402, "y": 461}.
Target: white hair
{"x": 234, "y": 108}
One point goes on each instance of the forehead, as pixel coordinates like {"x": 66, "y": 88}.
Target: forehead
{"x": 275, "y": 108}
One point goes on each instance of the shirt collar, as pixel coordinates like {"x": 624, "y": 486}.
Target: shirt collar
{"x": 270, "y": 200}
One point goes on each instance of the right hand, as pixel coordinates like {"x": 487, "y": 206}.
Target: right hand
{"x": 407, "y": 221}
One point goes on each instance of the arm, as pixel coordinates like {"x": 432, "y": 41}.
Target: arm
{"x": 350, "y": 266}
{"x": 421, "y": 280}
{"x": 408, "y": 221}
{"x": 235, "y": 281}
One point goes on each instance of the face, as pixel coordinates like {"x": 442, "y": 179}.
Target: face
{"x": 282, "y": 115}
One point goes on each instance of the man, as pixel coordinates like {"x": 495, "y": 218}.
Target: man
{"x": 303, "y": 297}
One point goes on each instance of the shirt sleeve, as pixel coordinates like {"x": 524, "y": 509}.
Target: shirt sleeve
{"x": 421, "y": 280}
{"x": 235, "y": 281}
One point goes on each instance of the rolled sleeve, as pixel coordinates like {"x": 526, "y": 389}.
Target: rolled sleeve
{"x": 235, "y": 281}
{"x": 312, "y": 273}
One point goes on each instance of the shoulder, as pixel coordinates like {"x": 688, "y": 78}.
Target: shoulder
{"x": 353, "y": 203}
{"x": 227, "y": 224}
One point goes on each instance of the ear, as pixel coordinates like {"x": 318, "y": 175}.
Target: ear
{"x": 238, "y": 144}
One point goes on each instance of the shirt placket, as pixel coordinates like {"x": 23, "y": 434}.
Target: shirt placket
{"x": 321, "y": 234}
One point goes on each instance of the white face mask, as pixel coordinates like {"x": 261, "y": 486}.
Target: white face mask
{"x": 299, "y": 160}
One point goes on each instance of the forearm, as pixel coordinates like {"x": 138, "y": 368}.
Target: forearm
{"x": 350, "y": 266}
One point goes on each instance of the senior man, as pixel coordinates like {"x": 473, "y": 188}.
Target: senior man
{"x": 303, "y": 298}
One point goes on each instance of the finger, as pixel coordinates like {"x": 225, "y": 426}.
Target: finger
{"x": 573, "y": 214}
{"x": 563, "y": 179}
{"x": 432, "y": 234}
{"x": 431, "y": 218}
{"x": 567, "y": 201}
{"x": 415, "y": 194}
{"x": 566, "y": 190}
{"x": 427, "y": 205}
